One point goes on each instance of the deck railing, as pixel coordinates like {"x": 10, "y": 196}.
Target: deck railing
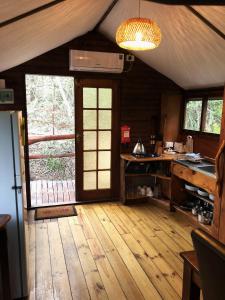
{"x": 46, "y": 138}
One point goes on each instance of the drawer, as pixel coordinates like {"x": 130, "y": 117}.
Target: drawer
{"x": 196, "y": 178}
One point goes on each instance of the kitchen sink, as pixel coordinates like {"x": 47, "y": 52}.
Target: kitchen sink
{"x": 203, "y": 166}
{"x": 209, "y": 169}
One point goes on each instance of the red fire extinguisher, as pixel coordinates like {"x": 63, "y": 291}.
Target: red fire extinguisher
{"x": 125, "y": 134}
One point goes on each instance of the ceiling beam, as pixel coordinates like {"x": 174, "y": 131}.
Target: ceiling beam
{"x": 107, "y": 12}
{"x": 189, "y": 2}
{"x": 205, "y": 21}
{"x": 29, "y": 13}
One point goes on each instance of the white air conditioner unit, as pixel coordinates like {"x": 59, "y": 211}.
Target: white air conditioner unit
{"x": 91, "y": 61}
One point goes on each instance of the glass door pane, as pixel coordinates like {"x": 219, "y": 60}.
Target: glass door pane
{"x": 97, "y": 125}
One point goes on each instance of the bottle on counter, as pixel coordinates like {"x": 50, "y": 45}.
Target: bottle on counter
{"x": 189, "y": 144}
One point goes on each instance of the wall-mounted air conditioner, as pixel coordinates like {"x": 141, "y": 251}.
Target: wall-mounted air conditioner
{"x": 91, "y": 61}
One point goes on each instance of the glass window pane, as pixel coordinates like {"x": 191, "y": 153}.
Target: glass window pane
{"x": 89, "y": 181}
{"x": 89, "y": 119}
{"x": 193, "y": 113}
{"x": 104, "y": 180}
{"x": 90, "y": 159}
{"x": 104, "y": 159}
{"x": 90, "y": 138}
{"x": 213, "y": 116}
{"x": 105, "y": 98}
{"x": 104, "y": 140}
{"x": 105, "y": 121}
{"x": 89, "y": 97}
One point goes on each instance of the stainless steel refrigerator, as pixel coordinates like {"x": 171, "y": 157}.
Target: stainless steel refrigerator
{"x": 13, "y": 199}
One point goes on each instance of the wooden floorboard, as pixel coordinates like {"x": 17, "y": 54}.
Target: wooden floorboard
{"x": 108, "y": 251}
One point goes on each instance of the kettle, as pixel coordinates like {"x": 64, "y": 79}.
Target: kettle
{"x": 139, "y": 149}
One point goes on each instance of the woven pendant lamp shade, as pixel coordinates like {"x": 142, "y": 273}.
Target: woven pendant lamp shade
{"x": 138, "y": 34}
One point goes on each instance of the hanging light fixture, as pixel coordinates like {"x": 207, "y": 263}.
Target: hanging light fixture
{"x": 138, "y": 34}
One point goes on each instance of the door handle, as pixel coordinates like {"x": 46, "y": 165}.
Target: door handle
{"x": 77, "y": 137}
{"x": 17, "y": 188}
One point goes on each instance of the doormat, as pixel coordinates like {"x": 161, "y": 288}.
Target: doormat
{"x": 55, "y": 212}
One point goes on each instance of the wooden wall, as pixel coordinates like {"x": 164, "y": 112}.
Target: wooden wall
{"x": 140, "y": 88}
{"x": 207, "y": 145}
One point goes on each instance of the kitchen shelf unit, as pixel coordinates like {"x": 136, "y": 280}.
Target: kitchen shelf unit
{"x": 205, "y": 199}
{"x": 132, "y": 180}
{"x": 194, "y": 219}
{"x": 182, "y": 174}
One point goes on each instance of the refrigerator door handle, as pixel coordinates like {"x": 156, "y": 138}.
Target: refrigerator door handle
{"x": 17, "y": 188}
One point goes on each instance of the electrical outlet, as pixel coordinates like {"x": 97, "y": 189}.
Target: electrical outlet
{"x": 129, "y": 57}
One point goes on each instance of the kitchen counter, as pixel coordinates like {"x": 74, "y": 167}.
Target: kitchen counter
{"x": 166, "y": 157}
{"x": 203, "y": 167}
{"x": 185, "y": 172}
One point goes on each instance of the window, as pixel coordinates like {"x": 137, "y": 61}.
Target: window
{"x": 193, "y": 110}
{"x": 213, "y": 116}
{"x": 203, "y": 114}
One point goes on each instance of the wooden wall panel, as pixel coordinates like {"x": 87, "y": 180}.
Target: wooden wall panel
{"x": 207, "y": 145}
{"x": 140, "y": 89}
{"x": 171, "y": 105}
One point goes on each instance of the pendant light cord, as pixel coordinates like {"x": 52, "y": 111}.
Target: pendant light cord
{"x": 139, "y": 9}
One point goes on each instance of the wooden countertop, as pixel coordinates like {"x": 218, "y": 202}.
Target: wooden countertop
{"x": 4, "y": 219}
{"x": 166, "y": 157}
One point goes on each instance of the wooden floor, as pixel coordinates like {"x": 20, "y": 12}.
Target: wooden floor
{"x": 109, "y": 251}
{"x": 52, "y": 192}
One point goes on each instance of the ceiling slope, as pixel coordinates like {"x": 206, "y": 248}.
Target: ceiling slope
{"x": 191, "y": 54}
{"x": 45, "y": 30}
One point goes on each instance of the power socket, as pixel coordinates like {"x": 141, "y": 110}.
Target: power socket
{"x": 130, "y": 57}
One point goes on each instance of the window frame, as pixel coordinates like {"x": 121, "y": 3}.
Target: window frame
{"x": 204, "y": 96}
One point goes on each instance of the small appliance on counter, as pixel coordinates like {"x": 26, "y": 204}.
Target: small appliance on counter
{"x": 189, "y": 144}
{"x": 139, "y": 149}
{"x": 179, "y": 147}
{"x": 169, "y": 148}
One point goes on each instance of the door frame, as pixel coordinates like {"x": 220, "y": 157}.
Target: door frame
{"x": 26, "y": 136}
{"x": 106, "y": 195}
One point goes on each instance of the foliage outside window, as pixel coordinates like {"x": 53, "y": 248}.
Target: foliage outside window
{"x": 193, "y": 109}
{"x": 203, "y": 115}
{"x": 213, "y": 116}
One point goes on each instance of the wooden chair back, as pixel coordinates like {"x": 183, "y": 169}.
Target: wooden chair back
{"x": 211, "y": 260}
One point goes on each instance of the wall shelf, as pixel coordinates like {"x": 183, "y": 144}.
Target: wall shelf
{"x": 182, "y": 174}
{"x": 162, "y": 176}
{"x": 193, "y": 219}
{"x": 129, "y": 180}
{"x": 200, "y": 197}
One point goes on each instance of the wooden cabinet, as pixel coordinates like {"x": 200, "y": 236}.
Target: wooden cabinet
{"x": 196, "y": 178}
{"x": 182, "y": 174}
{"x": 156, "y": 172}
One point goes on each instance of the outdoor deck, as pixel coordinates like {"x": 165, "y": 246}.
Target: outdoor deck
{"x": 52, "y": 192}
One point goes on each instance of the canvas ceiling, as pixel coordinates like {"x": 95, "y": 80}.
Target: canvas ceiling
{"x": 190, "y": 54}
{"x": 45, "y": 30}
